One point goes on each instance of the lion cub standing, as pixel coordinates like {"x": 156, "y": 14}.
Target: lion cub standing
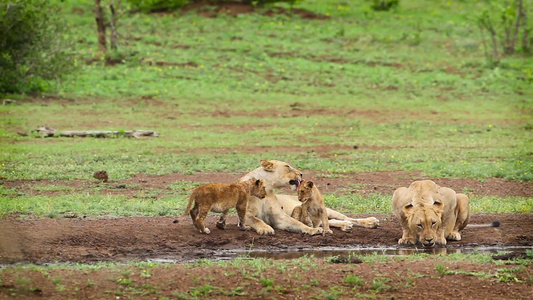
{"x": 220, "y": 197}
{"x": 313, "y": 210}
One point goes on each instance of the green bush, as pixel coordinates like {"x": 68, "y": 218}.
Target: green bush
{"x": 384, "y": 5}
{"x": 156, "y": 5}
{"x": 32, "y": 49}
{"x": 168, "y": 5}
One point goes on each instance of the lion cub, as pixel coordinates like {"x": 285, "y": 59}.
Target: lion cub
{"x": 220, "y": 197}
{"x": 313, "y": 211}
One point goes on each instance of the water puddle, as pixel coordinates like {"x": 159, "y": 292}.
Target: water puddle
{"x": 324, "y": 252}
{"x": 318, "y": 252}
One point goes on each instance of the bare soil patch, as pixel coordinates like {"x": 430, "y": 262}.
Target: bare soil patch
{"x": 384, "y": 182}
{"x": 126, "y": 239}
{"x": 90, "y": 240}
{"x": 140, "y": 238}
{"x": 212, "y": 9}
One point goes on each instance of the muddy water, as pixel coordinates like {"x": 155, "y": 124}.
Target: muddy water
{"x": 318, "y": 252}
{"x": 329, "y": 252}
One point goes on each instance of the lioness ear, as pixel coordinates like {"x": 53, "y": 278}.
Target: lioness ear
{"x": 309, "y": 184}
{"x": 257, "y": 182}
{"x": 267, "y": 165}
{"x": 437, "y": 205}
{"x": 407, "y": 209}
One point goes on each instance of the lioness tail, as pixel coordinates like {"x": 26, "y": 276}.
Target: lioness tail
{"x": 493, "y": 224}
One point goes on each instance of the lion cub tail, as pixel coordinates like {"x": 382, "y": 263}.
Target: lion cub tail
{"x": 187, "y": 210}
{"x": 493, "y": 224}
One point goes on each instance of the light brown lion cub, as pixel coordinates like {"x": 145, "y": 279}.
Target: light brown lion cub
{"x": 313, "y": 210}
{"x": 220, "y": 197}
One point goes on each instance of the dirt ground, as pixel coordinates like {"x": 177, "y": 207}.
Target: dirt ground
{"x": 87, "y": 239}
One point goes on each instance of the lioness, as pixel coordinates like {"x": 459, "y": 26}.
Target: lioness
{"x": 220, "y": 197}
{"x": 431, "y": 214}
{"x": 275, "y": 211}
{"x": 313, "y": 211}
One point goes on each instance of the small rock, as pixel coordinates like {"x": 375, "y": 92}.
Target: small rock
{"x": 101, "y": 175}
{"x": 510, "y": 256}
{"x": 345, "y": 260}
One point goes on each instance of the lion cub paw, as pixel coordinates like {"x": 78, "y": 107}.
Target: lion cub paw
{"x": 244, "y": 228}
{"x": 221, "y": 225}
{"x": 206, "y": 231}
{"x": 329, "y": 231}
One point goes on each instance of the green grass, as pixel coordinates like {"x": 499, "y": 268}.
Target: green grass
{"x": 127, "y": 279}
{"x": 409, "y": 87}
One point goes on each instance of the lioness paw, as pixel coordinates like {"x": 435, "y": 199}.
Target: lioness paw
{"x": 406, "y": 241}
{"x": 441, "y": 241}
{"x": 206, "y": 231}
{"x": 346, "y": 227}
{"x": 265, "y": 230}
{"x": 315, "y": 231}
{"x": 372, "y": 222}
{"x": 454, "y": 236}
{"x": 369, "y": 222}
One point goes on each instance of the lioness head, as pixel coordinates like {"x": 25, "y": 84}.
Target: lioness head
{"x": 424, "y": 220}
{"x": 258, "y": 188}
{"x": 305, "y": 191}
{"x": 277, "y": 174}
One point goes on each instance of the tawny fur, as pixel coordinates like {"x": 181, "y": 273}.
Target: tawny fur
{"x": 220, "y": 198}
{"x": 430, "y": 214}
{"x": 275, "y": 211}
{"x": 313, "y": 210}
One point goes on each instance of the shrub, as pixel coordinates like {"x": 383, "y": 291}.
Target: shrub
{"x": 32, "y": 49}
{"x": 503, "y": 25}
{"x": 156, "y": 5}
{"x": 164, "y": 5}
{"x": 384, "y": 5}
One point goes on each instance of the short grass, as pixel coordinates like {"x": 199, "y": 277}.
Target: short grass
{"x": 409, "y": 87}
{"x": 261, "y": 277}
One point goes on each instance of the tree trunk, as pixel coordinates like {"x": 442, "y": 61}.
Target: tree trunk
{"x": 100, "y": 26}
{"x": 113, "y": 37}
{"x": 525, "y": 37}
{"x": 511, "y": 45}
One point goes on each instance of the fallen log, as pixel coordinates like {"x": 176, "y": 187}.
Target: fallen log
{"x": 47, "y": 131}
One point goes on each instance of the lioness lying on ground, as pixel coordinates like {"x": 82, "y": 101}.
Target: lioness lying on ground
{"x": 275, "y": 210}
{"x": 431, "y": 214}
{"x": 220, "y": 197}
{"x": 313, "y": 210}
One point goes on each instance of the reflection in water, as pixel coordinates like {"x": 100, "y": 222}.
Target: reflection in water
{"x": 332, "y": 251}
{"x": 328, "y": 252}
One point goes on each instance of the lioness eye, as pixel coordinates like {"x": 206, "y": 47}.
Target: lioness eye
{"x": 433, "y": 223}
{"x": 419, "y": 225}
